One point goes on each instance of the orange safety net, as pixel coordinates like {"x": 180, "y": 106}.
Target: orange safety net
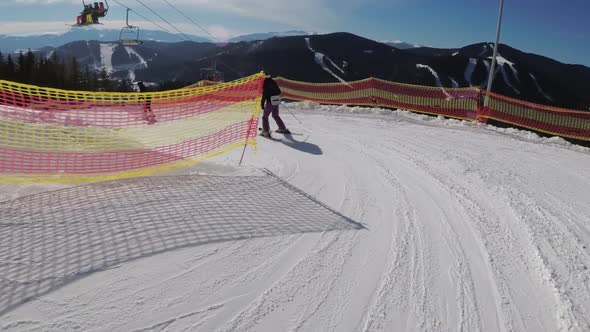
{"x": 457, "y": 103}
{"x": 51, "y": 135}
{"x": 462, "y": 103}
{"x": 546, "y": 119}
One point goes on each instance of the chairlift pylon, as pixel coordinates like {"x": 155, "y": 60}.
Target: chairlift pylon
{"x": 129, "y": 31}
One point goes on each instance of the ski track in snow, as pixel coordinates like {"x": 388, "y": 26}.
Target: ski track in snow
{"x": 469, "y": 228}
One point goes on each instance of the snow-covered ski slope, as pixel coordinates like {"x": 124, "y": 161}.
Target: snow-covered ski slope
{"x": 468, "y": 228}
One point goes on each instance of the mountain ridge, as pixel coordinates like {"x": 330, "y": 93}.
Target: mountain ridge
{"x": 339, "y": 57}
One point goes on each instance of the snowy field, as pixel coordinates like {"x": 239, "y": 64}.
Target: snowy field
{"x": 466, "y": 227}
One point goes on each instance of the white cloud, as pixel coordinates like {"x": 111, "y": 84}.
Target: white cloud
{"x": 299, "y": 13}
{"x": 32, "y": 28}
{"x": 223, "y": 33}
{"x": 313, "y": 15}
{"x": 40, "y": 2}
{"x": 35, "y": 28}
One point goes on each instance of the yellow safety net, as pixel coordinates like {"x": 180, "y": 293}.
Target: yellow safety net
{"x": 51, "y": 135}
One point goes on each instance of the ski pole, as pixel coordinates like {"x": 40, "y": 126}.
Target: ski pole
{"x": 292, "y": 113}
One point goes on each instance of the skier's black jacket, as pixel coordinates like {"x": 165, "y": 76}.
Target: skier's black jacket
{"x": 269, "y": 88}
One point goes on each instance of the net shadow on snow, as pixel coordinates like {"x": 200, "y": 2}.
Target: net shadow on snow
{"x": 53, "y": 238}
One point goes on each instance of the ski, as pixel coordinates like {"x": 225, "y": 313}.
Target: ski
{"x": 271, "y": 138}
{"x": 293, "y": 134}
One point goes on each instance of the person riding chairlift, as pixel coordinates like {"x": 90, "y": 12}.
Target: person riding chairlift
{"x": 101, "y": 10}
{"x": 81, "y": 19}
{"x": 91, "y": 13}
{"x": 86, "y": 16}
{"x": 94, "y": 14}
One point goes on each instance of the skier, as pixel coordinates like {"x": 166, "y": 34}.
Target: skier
{"x": 271, "y": 98}
{"x": 147, "y": 105}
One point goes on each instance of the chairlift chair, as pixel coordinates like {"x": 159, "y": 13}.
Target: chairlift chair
{"x": 91, "y": 13}
{"x": 211, "y": 74}
{"x": 129, "y": 31}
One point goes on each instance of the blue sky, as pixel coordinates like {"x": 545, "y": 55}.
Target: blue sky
{"x": 545, "y": 27}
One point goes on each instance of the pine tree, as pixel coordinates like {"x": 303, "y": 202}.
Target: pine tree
{"x": 28, "y": 67}
{"x": 52, "y": 70}
{"x": 91, "y": 79}
{"x": 61, "y": 74}
{"x": 104, "y": 78}
{"x": 41, "y": 73}
{"x": 74, "y": 72}
{"x": 10, "y": 69}
{"x": 84, "y": 79}
{"x": 20, "y": 71}
{"x": 2, "y": 67}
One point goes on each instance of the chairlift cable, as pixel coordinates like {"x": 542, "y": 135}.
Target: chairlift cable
{"x": 147, "y": 19}
{"x": 210, "y": 34}
{"x": 172, "y": 25}
{"x": 163, "y": 19}
{"x": 229, "y": 67}
{"x": 191, "y": 20}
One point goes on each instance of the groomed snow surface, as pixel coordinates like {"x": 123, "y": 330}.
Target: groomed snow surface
{"x": 467, "y": 228}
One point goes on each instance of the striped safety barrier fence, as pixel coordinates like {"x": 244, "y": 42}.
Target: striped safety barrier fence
{"x": 461, "y": 103}
{"x": 51, "y": 135}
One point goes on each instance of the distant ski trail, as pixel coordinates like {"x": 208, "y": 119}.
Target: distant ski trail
{"x": 538, "y": 86}
{"x": 106, "y": 56}
{"x": 319, "y": 59}
{"x": 436, "y": 78}
{"x": 469, "y": 71}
